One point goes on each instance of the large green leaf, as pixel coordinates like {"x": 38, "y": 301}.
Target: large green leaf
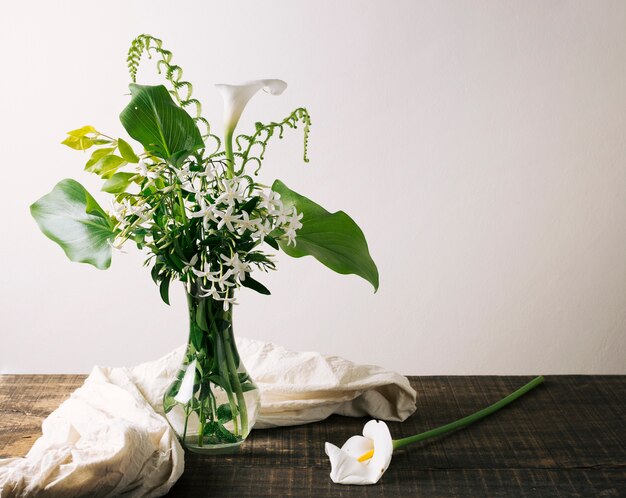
{"x": 163, "y": 128}
{"x": 334, "y": 239}
{"x": 72, "y": 218}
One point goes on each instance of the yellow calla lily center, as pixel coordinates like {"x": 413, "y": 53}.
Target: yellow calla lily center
{"x": 366, "y": 456}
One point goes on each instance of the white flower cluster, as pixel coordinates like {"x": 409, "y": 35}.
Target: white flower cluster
{"x": 219, "y": 283}
{"x": 217, "y": 201}
{"x": 221, "y": 211}
{"x": 143, "y": 170}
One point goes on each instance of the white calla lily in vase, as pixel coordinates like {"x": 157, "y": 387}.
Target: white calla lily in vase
{"x": 236, "y": 97}
{"x": 364, "y": 459}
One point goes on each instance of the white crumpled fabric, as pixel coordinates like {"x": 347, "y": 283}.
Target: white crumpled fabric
{"x": 110, "y": 437}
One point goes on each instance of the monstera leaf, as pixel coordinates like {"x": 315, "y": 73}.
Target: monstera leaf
{"x": 72, "y": 218}
{"x": 162, "y": 127}
{"x": 334, "y": 239}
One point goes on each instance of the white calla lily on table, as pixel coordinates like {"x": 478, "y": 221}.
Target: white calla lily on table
{"x": 364, "y": 459}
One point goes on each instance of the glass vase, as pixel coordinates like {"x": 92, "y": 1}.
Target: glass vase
{"x": 212, "y": 403}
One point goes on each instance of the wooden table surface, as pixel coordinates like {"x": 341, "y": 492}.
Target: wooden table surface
{"x": 565, "y": 438}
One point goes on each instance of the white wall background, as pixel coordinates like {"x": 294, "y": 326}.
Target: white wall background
{"x": 481, "y": 146}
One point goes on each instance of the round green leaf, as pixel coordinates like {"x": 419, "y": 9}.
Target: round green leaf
{"x": 72, "y": 218}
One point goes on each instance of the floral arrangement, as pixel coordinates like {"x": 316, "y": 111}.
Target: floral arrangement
{"x": 190, "y": 199}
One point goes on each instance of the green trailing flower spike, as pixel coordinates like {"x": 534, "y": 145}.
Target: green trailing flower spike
{"x": 200, "y": 214}
{"x": 247, "y": 143}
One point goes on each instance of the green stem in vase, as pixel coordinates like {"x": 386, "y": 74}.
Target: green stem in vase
{"x": 225, "y": 376}
{"x": 202, "y": 422}
{"x": 211, "y": 386}
{"x": 243, "y": 411}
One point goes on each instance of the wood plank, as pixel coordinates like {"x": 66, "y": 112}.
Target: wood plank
{"x": 566, "y": 438}
{"x": 25, "y": 401}
{"x": 209, "y": 479}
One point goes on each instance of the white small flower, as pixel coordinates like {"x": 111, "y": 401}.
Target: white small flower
{"x": 211, "y": 292}
{"x": 186, "y": 178}
{"x": 291, "y": 225}
{"x": 118, "y": 211}
{"x": 231, "y": 193}
{"x": 223, "y": 281}
{"x": 140, "y": 209}
{"x": 209, "y": 171}
{"x": 294, "y": 219}
{"x": 142, "y": 169}
{"x": 228, "y": 301}
{"x": 189, "y": 267}
{"x": 224, "y": 284}
{"x": 270, "y": 201}
{"x": 190, "y": 187}
{"x": 226, "y": 218}
{"x": 183, "y": 173}
{"x": 281, "y": 217}
{"x": 206, "y": 212}
{"x": 263, "y": 229}
{"x": 212, "y": 276}
{"x": 245, "y": 223}
{"x": 362, "y": 459}
{"x": 238, "y": 267}
{"x": 290, "y": 233}
{"x": 220, "y": 284}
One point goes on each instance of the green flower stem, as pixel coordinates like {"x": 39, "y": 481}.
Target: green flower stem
{"x": 230, "y": 157}
{"x": 181, "y": 203}
{"x": 201, "y": 417}
{"x": 223, "y": 366}
{"x": 225, "y": 372}
{"x": 470, "y": 419}
{"x": 243, "y": 410}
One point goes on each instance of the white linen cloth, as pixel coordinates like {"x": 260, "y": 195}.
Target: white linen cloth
{"x": 110, "y": 437}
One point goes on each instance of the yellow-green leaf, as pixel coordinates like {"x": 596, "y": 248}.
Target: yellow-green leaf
{"x": 106, "y": 165}
{"x": 81, "y": 132}
{"x": 97, "y": 155}
{"x": 126, "y": 151}
{"x": 78, "y": 143}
